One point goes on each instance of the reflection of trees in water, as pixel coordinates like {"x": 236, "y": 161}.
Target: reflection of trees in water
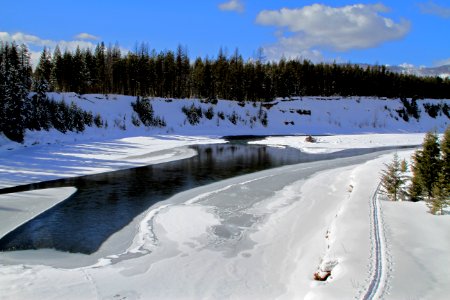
{"x": 105, "y": 203}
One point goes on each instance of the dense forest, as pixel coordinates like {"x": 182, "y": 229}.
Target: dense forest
{"x": 172, "y": 74}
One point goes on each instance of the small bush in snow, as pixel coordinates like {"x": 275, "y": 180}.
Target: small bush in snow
{"x": 209, "y": 113}
{"x": 98, "y": 121}
{"x": 263, "y": 118}
{"x": 432, "y": 110}
{"x": 144, "y": 110}
{"x": 304, "y": 112}
{"x": 446, "y": 110}
{"x": 411, "y": 108}
{"x": 193, "y": 114}
{"x": 233, "y": 118}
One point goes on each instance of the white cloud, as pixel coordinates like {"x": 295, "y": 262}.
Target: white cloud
{"x": 443, "y": 62}
{"x": 432, "y": 8}
{"x": 36, "y": 44}
{"x": 232, "y": 5}
{"x": 311, "y": 28}
{"x": 33, "y": 41}
{"x": 86, "y": 36}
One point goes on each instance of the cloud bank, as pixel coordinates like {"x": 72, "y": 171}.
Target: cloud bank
{"x": 432, "y": 8}
{"x": 86, "y": 36}
{"x": 232, "y": 5}
{"x": 304, "y": 31}
{"x": 36, "y": 44}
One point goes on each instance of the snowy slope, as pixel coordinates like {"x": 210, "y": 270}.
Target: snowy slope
{"x": 332, "y": 115}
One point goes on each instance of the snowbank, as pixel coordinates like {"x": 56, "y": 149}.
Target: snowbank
{"x": 327, "y": 144}
{"x": 419, "y": 244}
{"x": 260, "y": 236}
{"x": 18, "y": 208}
{"x": 46, "y": 162}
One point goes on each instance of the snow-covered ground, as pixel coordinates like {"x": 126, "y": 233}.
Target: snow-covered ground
{"x": 259, "y": 236}
{"x": 328, "y": 115}
{"x": 60, "y": 160}
{"x": 297, "y": 116}
{"x": 18, "y": 208}
{"x": 333, "y": 143}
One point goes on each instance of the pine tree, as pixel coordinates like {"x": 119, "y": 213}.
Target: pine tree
{"x": 426, "y": 167}
{"x": 15, "y": 70}
{"x": 392, "y": 179}
{"x": 44, "y": 70}
{"x": 441, "y": 196}
{"x": 445, "y": 154}
{"x": 57, "y": 74}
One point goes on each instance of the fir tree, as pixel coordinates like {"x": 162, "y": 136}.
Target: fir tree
{"x": 15, "y": 83}
{"x": 43, "y": 70}
{"x": 426, "y": 167}
{"x": 445, "y": 154}
{"x": 441, "y": 196}
{"x": 392, "y": 179}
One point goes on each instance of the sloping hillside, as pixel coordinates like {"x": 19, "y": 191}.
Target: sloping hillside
{"x": 297, "y": 116}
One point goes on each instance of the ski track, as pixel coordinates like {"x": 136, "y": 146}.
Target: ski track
{"x": 378, "y": 286}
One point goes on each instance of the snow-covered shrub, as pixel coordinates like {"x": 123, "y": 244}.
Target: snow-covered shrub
{"x": 209, "y": 113}
{"x": 193, "y": 114}
{"x": 145, "y": 112}
{"x": 233, "y": 118}
{"x": 98, "y": 121}
{"x": 446, "y": 110}
{"x": 304, "y": 112}
{"x": 411, "y": 108}
{"x": 263, "y": 118}
{"x": 432, "y": 109}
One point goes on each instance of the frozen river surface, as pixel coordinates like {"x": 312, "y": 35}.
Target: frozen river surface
{"x": 106, "y": 203}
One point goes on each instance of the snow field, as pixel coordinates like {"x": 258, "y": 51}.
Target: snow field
{"x": 18, "y": 208}
{"x": 281, "y": 239}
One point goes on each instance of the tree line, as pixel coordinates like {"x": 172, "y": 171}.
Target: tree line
{"x": 172, "y": 74}
{"x": 430, "y": 179}
{"x": 19, "y": 110}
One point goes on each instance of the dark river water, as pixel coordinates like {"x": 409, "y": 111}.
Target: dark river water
{"x": 105, "y": 203}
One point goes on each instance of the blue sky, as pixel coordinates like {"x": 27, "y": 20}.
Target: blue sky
{"x": 384, "y": 32}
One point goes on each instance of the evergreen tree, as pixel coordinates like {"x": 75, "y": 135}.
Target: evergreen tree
{"x": 15, "y": 70}
{"x": 441, "y": 196}
{"x": 445, "y": 154}
{"x": 57, "y": 73}
{"x": 43, "y": 70}
{"x": 426, "y": 167}
{"x": 392, "y": 179}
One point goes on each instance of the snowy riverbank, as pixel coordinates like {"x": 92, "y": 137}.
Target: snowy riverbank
{"x": 285, "y": 221}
